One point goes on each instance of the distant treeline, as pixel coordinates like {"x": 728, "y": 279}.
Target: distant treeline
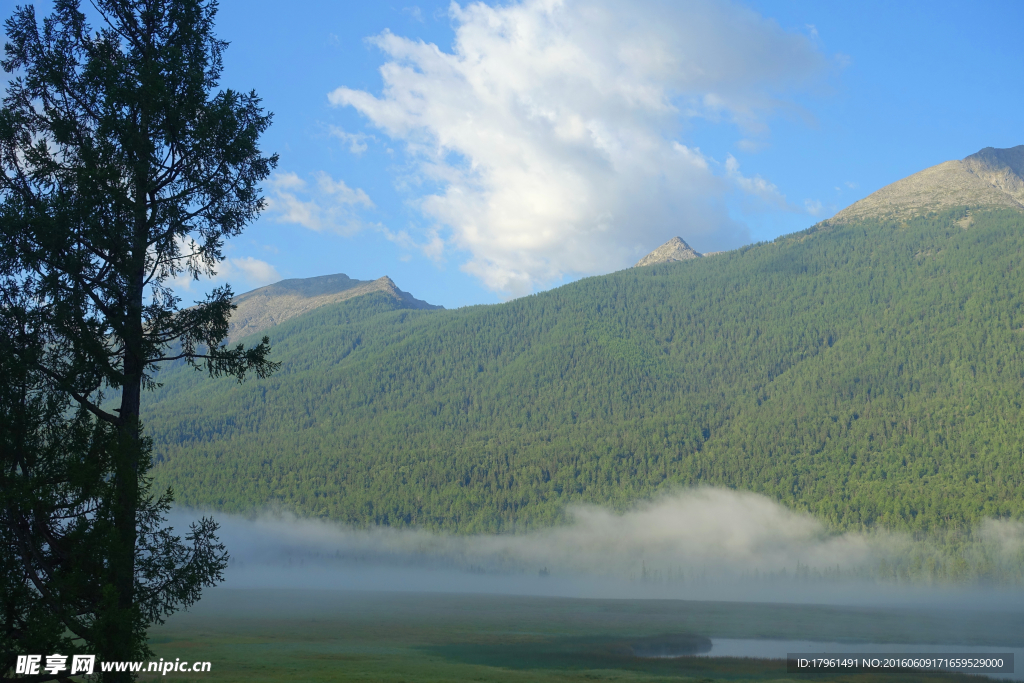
{"x": 869, "y": 373}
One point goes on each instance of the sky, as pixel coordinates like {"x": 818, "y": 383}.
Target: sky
{"x": 478, "y": 152}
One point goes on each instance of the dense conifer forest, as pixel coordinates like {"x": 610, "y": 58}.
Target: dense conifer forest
{"x": 870, "y": 373}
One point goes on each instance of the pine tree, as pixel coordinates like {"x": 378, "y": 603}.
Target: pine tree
{"x": 123, "y": 168}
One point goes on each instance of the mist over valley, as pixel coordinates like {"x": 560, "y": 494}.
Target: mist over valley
{"x": 827, "y": 419}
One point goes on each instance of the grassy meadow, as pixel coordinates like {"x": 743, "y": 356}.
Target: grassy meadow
{"x": 264, "y": 636}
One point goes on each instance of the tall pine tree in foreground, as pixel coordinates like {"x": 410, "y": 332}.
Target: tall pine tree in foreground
{"x": 123, "y": 168}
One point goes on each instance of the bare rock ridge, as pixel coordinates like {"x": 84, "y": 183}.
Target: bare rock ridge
{"x": 991, "y": 178}
{"x": 673, "y": 250}
{"x": 272, "y": 305}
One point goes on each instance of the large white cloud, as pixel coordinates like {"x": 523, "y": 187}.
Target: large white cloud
{"x": 551, "y": 139}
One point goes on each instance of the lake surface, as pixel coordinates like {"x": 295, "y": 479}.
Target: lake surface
{"x": 778, "y": 649}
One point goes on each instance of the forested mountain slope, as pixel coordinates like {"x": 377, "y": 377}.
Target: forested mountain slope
{"x": 868, "y": 371}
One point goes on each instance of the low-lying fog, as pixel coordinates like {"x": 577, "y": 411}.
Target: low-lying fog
{"x": 697, "y": 544}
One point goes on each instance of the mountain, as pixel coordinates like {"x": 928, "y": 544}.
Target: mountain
{"x": 991, "y": 178}
{"x": 868, "y": 371}
{"x": 271, "y": 305}
{"x": 673, "y": 250}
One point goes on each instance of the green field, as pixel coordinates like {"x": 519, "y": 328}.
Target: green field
{"x": 277, "y": 635}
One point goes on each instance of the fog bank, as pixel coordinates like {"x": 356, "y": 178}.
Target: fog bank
{"x": 698, "y": 544}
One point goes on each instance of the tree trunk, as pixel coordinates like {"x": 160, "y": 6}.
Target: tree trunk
{"x": 121, "y": 633}
{"x": 120, "y": 630}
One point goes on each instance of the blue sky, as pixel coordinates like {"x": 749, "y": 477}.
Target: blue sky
{"x": 479, "y": 152}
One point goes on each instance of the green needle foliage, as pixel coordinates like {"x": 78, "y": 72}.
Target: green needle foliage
{"x": 870, "y": 373}
{"x": 57, "y": 524}
{"x": 122, "y": 168}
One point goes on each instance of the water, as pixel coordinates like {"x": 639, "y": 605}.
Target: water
{"x": 778, "y": 649}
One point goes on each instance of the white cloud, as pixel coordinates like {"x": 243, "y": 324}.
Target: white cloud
{"x": 244, "y": 270}
{"x": 188, "y": 250}
{"x": 751, "y": 145}
{"x": 356, "y": 141}
{"x": 324, "y": 205}
{"x": 814, "y": 207}
{"x": 756, "y": 186}
{"x": 252, "y": 271}
{"x": 331, "y": 205}
{"x": 546, "y": 143}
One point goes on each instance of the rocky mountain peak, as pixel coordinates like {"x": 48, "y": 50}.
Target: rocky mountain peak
{"x": 676, "y": 249}
{"x": 991, "y": 178}
{"x": 272, "y": 305}
{"x": 1000, "y": 168}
